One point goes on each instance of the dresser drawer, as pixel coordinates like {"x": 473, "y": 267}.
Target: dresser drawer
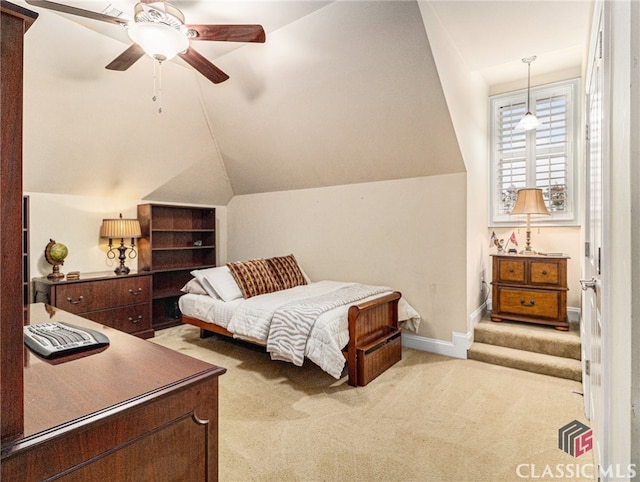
{"x": 545, "y": 273}
{"x": 130, "y": 319}
{"x": 88, "y": 296}
{"x": 511, "y": 271}
{"x": 542, "y": 304}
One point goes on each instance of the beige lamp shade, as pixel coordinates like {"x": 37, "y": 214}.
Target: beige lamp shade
{"x": 530, "y": 201}
{"x": 120, "y": 228}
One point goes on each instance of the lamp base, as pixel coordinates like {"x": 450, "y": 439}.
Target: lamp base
{"x": 122, "y": 270}
{"x": 527, "y": 247}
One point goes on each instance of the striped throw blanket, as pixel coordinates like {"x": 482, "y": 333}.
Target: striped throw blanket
{"x": 292, "y": 322}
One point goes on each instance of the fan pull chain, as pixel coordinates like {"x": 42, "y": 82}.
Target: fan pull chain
{"x": 157, "y": 84}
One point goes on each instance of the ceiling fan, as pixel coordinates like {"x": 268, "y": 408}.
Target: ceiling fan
{"x": 158, "y": 29}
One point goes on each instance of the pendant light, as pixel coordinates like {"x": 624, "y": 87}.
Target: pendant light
{"x": 529, "y": 121}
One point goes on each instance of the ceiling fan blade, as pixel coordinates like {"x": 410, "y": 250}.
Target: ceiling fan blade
{"x": 231, "y": 33}
{"x": 202, "y": 65}
{"x": 127, "y": 58}
{"x": 58, "y": 7}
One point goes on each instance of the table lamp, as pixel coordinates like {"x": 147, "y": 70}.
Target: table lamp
{"x": 121, "y": 228}
{"x": 529, "y": 201}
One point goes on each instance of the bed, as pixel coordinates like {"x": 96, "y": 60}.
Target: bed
{"x": 271, "y": 302}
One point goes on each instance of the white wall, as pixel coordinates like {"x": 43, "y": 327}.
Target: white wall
{"x": 75, "y": 222}
{"x": 466, "y": 95}
{"x": 408, "y": 234}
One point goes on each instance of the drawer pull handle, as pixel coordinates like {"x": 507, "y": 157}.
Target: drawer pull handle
{"x": 511, "y": 270}
{"x": 135, "y": 293}
{"x": 524, "y": 303}
{"x": 135, "y": 320}
{"x": 75, "y": 302}
{"x": 544, "y": 272}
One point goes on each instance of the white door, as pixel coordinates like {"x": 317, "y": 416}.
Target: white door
{"x": 591, "y": 328}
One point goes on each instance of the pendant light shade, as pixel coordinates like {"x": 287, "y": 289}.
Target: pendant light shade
{"x": 529, "y": 121}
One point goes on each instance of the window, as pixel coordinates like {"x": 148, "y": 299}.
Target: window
{"x": 544, "y": 157}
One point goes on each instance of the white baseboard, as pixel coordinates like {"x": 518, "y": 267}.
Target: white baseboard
{"x": 476, "y": 316}
{"x": 457, "y": 348}
{"x": 574, "y": 315}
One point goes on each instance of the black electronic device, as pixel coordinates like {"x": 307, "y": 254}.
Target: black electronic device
{"x": 57, "y": 339}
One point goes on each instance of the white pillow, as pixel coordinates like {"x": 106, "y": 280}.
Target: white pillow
{"x": 218, "y": 282}
{"x": 194, "y": 287}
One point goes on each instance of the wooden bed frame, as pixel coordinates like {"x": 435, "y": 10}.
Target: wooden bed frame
{"x": 375, "y": 338}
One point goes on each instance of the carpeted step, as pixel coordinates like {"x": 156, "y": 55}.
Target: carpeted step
{"x": 545, "y": 364}
{"x": 532, "y": 338}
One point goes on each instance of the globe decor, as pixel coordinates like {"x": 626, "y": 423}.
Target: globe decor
{"x": 55, "y": 253}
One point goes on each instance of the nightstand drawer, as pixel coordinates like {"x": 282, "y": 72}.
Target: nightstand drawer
{"x": 97, "y": 295}
{"x": 511, "y": 271}
{"x": 543, "y": 304}
{"x": 545, "y": 273}
{"x": 130, "y": 319}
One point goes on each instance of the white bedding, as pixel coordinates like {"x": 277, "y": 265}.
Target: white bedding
{"x": 250, "y": 318}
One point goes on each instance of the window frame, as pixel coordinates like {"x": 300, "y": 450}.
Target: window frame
{"x": 570, "y": 216}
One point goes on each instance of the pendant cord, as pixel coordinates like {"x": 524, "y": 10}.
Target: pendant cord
{"x": 528, "y": 61}
{"x": 157, "y": 84}
{"x": 529, "y": 88}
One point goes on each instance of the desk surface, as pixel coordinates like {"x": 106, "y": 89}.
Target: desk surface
{"x": 65, "y": 391}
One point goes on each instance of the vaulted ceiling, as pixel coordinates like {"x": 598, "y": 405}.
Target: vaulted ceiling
{"x": 341, "y": 92}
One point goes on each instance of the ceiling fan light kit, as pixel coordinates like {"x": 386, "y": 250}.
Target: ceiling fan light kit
{"x": 158, "y": 40}
{"x": 158, "y": 29}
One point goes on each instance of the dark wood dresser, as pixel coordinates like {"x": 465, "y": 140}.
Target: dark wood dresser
{"x": 122, "y": 302}
{"x": 133, "y": 411}
{"x": 530, "y": 289}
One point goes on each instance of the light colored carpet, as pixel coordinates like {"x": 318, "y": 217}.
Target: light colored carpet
{"x": 535, "y": 348}
{"x": 428, "y": 418}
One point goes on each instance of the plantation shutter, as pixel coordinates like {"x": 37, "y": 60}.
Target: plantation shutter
{"x": 541, "y": 157}
{"x": 552, "y": 142}
{"x": 512, "y": 159}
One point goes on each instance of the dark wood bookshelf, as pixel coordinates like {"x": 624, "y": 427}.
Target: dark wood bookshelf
{"x": 175, "y": 240}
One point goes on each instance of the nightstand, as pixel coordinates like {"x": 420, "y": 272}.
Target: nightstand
{"x": 121, "y": 302}
{"x": 531, "y": 289}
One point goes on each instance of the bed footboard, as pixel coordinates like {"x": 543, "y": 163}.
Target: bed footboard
{"x": 375, "y": 341}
